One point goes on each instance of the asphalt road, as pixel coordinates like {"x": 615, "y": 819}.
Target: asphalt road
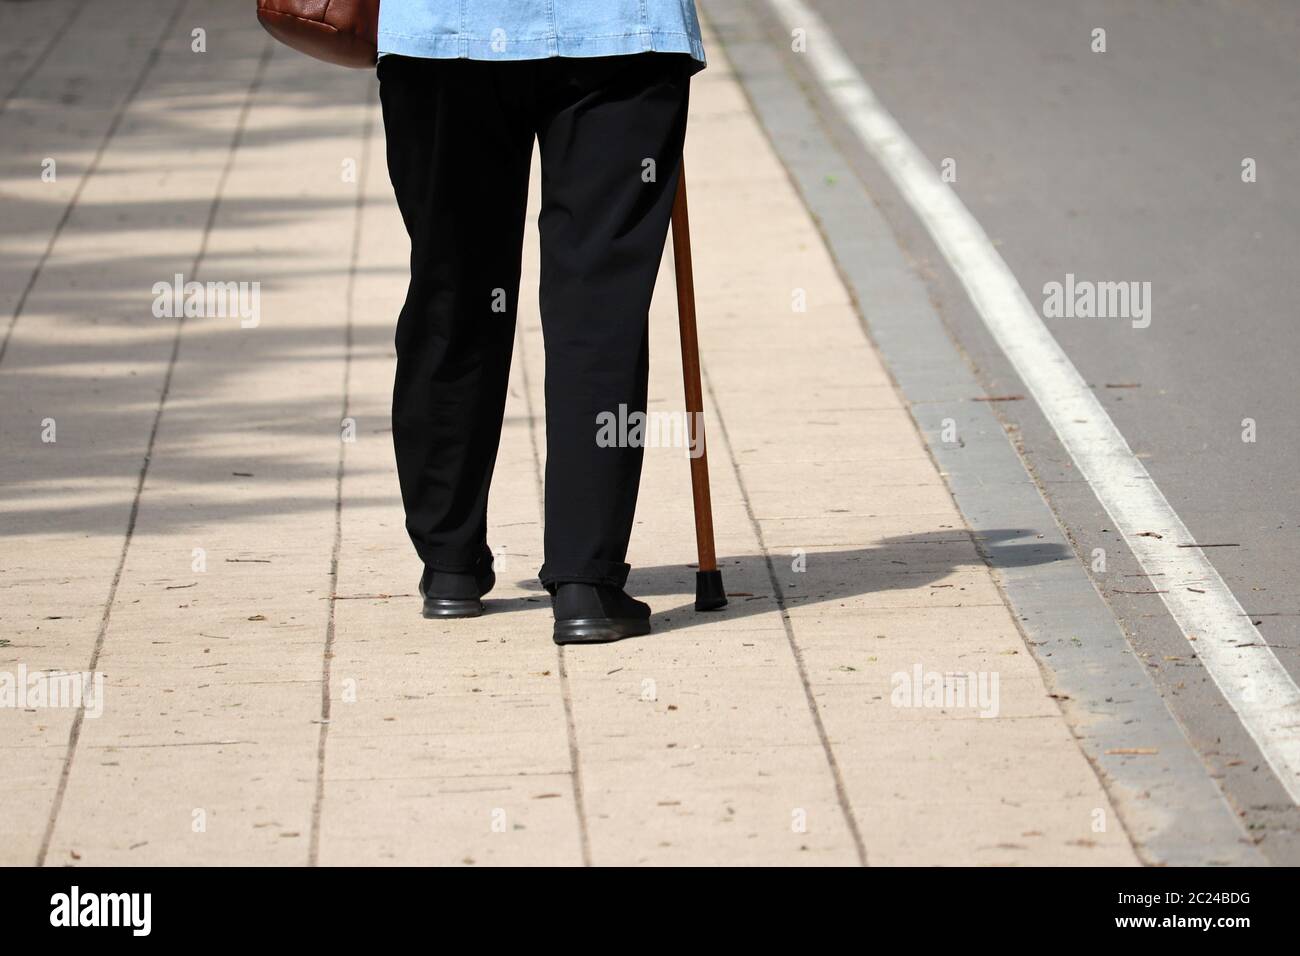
{"x": 1126, "y": 166}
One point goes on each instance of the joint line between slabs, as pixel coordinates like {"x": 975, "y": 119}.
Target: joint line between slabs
{"x": 44, "y": 55}
{"x": 841, "y": 792}
{"x": 150, "y": 62}
{"x": 327, "y": 655}
{"x": 74, "y": 733}
{"x": 566, "y": 693}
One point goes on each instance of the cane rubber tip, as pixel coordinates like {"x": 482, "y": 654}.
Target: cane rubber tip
{"x": 709, "y": 592}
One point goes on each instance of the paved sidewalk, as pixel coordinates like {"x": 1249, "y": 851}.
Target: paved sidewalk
{"x": 217, "y": 530}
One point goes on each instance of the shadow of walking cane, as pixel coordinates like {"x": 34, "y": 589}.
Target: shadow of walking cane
{"x": 709, "y": 592}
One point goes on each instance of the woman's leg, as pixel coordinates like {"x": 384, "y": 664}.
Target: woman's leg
{"x": 610, "y": 131}
{"x": 460, "y": 137}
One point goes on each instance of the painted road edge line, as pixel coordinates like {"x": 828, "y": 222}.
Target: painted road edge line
{"x": 1242, "y": 665}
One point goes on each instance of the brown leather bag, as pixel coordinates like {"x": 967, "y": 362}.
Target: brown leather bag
{"x": 345, "y": 32}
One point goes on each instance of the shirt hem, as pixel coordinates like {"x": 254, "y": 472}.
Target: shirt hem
{"x": 456, "y": 46}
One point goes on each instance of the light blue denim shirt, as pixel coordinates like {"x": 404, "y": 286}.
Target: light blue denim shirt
{"x": 536, "y": 29}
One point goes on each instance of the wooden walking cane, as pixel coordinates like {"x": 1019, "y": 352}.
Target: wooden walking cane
{"x": 709, "y": 592}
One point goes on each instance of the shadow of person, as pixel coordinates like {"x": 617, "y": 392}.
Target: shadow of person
{"x": 760, "y": 583}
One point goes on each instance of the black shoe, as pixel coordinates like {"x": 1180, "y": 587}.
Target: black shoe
{"x": 595, "y": 614}
{"x": 451, "y": 594}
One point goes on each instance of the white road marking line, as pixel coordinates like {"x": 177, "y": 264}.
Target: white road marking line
{"x": 1246, "y": 670}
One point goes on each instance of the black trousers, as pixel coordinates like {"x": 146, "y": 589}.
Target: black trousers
{"x": 460, "y": 137}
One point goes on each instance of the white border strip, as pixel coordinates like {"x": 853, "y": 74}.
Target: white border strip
{"x": 1246, "y": 670}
